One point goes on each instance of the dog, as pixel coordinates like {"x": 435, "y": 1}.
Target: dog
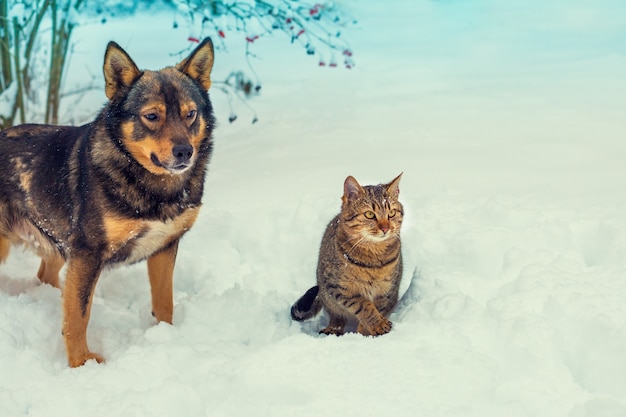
{"x": 121, "y": 189}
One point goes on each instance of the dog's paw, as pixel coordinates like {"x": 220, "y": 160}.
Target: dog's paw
{"x": 80, "y": 360}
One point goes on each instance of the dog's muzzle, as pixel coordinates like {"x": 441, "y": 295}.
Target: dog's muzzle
{"x": 182, "y": 159}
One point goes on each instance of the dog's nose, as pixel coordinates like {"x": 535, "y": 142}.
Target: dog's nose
{"x": 182, "y": 153}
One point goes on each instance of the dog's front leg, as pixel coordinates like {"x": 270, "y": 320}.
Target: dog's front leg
{"x": 161, "y": 271}
{"x": 80, "y": 281}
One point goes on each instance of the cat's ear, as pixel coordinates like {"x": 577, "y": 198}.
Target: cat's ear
{"x": 393, "y": 188}
{"x": 351, "y": 188}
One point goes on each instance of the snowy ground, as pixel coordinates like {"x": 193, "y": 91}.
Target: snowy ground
{"x": 508, "y": 121}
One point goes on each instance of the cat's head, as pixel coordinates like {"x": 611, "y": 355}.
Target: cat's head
{"x": 373, "y": 211}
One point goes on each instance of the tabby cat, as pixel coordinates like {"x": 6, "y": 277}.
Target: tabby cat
{"x": 360, "y": 261}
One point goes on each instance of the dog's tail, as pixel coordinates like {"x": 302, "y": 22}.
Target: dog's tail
{"x": 307, "y": 306}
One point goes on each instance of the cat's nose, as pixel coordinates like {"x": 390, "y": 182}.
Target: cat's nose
{"x": 384, "y": 228}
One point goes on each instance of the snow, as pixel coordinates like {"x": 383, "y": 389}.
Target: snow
{"x": 507, "y": 120}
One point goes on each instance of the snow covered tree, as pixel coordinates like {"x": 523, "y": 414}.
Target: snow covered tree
{"x": 33, "y": 61}
{"x": 316, "y": 27}
{"x": 22, "y": 76}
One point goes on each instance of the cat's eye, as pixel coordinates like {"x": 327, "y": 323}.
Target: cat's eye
{"x": 369, "y": 214}
{"x": 392, "y": 213}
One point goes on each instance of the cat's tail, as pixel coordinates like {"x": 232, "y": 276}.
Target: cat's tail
{"x": 307, "y": 306}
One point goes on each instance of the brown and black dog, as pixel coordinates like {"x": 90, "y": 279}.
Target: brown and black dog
{"x": 119, "y": 190}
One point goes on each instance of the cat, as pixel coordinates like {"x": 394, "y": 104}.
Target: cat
{"x": 360, "y": 261}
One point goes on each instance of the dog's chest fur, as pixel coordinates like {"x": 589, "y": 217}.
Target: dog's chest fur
{"x": 127, "y": 240}
{"x": 132, "y": 240}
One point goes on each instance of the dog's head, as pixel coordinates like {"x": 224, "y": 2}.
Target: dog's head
{"x": 165, "y": 116}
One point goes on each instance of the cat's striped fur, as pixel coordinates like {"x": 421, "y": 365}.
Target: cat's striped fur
{"x": 360, "y": 261}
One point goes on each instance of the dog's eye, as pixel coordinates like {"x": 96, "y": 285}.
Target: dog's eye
{"x": 191, "y": 114}
{"x": 151, "y": 117}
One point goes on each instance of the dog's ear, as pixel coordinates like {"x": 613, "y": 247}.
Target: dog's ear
{"x": 199, "y": 63}
{"x": 119, "y": 70}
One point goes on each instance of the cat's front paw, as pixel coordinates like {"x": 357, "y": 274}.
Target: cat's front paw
{"x": 379, "y": 328}
{"x": 337, "y": 331}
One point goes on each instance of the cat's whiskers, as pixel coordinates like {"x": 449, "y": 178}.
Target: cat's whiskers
{"x": 361, "y": 239}
{"x": 355, "y": 245}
